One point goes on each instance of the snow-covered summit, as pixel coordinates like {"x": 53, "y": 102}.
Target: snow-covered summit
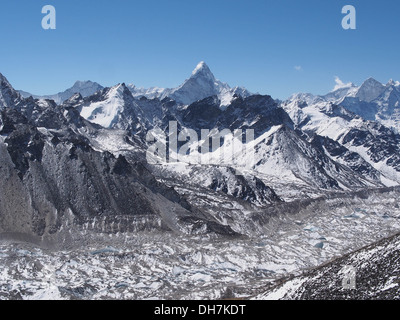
{"x": 202, "y": 68}
{"x": 106, "y": 106}
{"x": 200, "y": 85}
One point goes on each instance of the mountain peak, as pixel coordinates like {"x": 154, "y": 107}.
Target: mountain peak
{"x": 4, "y": 81}
{"x": 85, "y": 88}
{"x": 370, "y": 90}
{"x": 392, "y": 82}
{"x": 371, "y": 81}
{"x": 202, "y": 69}
{"x": 8, "y": 96}
{"x": 200, "y": 85}
{"x": 81, "y": 83}
{"x": 86, "y": 85}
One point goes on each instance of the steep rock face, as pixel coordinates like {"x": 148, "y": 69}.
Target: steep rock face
{"x": 8, "y": 96}
{"x": 61, "y": 172}
{"x": 378, "y": 145}
{"x": 256, "y": 112}
{"x": 370, "y": 90}
{"x": 352, "y": 159}
{"x": 202, "y": 114}
{"x": 366, "y": 110}
{"x": 250, "y": 189}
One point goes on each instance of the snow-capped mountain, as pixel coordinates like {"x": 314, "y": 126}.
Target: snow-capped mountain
{"x": 107, "y": 106}
{"x": 375, "y": 101}
{"x": 340, "y": 91}
{"x": 200, "y": 85}
{"x": 85, "y": 88}
{"x": 348, "y": 138}
{"x": 370, "y": 90}
{"x": 371, "y": 101}
{"x": 360, "y": 120}
{"x": 281, "y": 152}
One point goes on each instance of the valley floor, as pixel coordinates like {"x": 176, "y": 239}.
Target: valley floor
{"x": 162, "y": 265}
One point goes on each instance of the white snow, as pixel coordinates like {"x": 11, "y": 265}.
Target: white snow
{"x": 105, "y": 112}
{"x": 288, "y": 288}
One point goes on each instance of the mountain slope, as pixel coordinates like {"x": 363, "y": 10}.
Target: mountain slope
{"x": 377, "y": 273}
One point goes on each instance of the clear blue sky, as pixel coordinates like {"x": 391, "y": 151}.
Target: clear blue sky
{"x": 255, "y": 44}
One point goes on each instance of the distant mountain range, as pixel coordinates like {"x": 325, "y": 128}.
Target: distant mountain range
{"x": 85, "y": 88}
{"x": 371, "y": 101}
{"x": 200, "y": 85}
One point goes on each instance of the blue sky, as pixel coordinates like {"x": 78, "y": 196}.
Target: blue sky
{"x": 256, "y": 44}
